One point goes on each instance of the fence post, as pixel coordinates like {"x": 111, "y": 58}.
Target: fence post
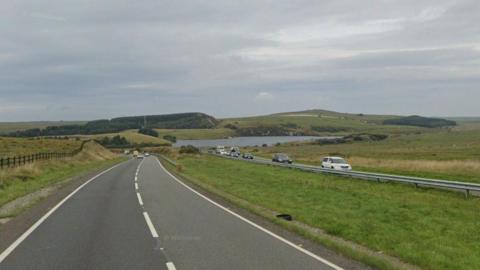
{"x": 1, "y": 163}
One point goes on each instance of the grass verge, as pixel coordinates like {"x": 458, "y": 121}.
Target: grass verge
{"x": 428, "y": 228}
{"x": 20, "y": 181}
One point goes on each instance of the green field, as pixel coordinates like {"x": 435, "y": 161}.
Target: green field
{"x": 7, "y": 127}
{"x": 306, "y": 119}
{"x": 23, "y": 146}
{"x": 199, "y": 134}
{"x": 450, "y": 154}
{"x": 429, "y": 228}
{"x": 132, "y": 136}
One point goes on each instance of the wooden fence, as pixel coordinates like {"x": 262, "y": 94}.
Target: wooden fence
{"x": 11, "y": 162}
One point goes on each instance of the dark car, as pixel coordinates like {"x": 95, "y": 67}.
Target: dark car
{"x": 282, "y": 158}
{"x": 247, "y": 156}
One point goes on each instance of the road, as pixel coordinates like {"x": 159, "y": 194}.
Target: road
{"x": 138, "y": 216}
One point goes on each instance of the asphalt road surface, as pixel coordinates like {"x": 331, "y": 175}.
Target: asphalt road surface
{"x": 138, "y": 216}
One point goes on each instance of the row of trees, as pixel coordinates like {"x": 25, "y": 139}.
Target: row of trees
{"x": 171, "y": 121}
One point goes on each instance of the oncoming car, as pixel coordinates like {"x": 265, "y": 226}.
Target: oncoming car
{"x": 247, "y": 156}
{"x": 335, "y": 163}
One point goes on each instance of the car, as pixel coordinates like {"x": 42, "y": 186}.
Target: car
{"x": 220, "y": 150}
{"x": 234, "y": 152}
{"x": 147, "y": 154}
{"x": 140, "y": 156}
{"x": 336, "y": 163}
{"x": 247, "y": 156}
{"x": 281, "y": 158}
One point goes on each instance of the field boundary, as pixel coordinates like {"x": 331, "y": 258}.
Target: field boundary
{"x": 15, "y": 161}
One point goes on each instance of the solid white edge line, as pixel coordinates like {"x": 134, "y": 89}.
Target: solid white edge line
{"x": 309, "y": 253}
{"x": 171, "y": 266}
{"x": 150, "y": 225}
{"x": 19, "y": 240}
{"x": 139, "y": 199}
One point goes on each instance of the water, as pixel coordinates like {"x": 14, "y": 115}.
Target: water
{"x": 248, "y": 141}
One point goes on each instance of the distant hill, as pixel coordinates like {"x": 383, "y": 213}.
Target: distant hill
{"x": 167, "y": 121}
{"x": 8, "y": 127}
{"x": 420, "y": 121}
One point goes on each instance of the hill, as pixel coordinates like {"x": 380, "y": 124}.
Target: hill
{"x": 8, "y": 127}
{"x": 313, "y": 122}
{"x": 178, "y": 121}
{"x": 420, "y": 121}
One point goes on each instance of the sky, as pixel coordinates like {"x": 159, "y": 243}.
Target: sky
{"x": 90, "y": 59}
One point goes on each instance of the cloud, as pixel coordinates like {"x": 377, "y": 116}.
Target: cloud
{"x": 120, "y": 58}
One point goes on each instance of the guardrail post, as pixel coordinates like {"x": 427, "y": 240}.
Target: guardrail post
{"x": 467, "y": 192}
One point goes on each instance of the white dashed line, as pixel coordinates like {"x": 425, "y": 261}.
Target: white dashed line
{"x": 309, "y": 253}
{"x": 150, "y": 226}
{"x": 139, "y": 199}
{"x": 170, "y": 266}
{"x": 136, "y": 186}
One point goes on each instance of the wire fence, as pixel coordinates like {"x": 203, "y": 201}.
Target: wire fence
{"x": 15, "y": 161}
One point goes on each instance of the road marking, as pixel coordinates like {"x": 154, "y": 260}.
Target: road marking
{"x": 150, "y": 225}
{"x": 170, "y": 266}
{"x": 309, "y": 253}
{"x": 136, "y": 178}
{"x": 19, "y": 240}
{"x": 136, "y": 186}
{"x": 139, "y": 199}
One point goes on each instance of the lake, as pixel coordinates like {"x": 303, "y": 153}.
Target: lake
{"x": 248, "y": 141}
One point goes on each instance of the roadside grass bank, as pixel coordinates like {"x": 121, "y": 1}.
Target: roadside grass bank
{"x": 23, "y": 180}
{"x": 428, "y": 228}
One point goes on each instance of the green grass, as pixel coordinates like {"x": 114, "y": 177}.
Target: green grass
{"x": 132, "y": 136}
{"x": 22, "y": 180}
{"x": 22, "y": 146}
{"x": 199, "y": 134}
{"x": 52, "y": 173}
{"x": 429, "y": 228}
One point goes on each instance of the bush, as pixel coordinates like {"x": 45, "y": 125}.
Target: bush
{"x": 230, "y": 126}
{"x": 170, "y": 138}
{"x": 189, "y": 149}
{"x": 328, "y": 129}
{"x": 148, "y": 131}
{"x": 114, "y": 141}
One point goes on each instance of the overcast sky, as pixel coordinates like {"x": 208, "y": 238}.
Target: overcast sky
{"x": 72, "y": 59}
